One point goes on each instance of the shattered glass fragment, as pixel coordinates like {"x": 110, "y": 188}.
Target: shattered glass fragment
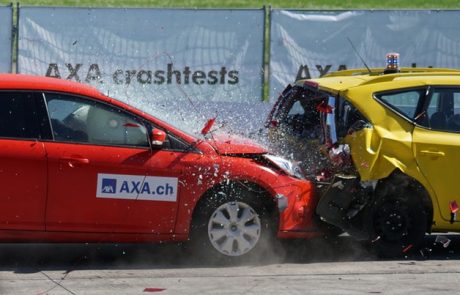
{"x": 376, "y": 239}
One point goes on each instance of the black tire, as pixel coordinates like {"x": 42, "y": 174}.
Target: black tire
{"x": 398, "y": 219}
{"x": 232, "y": 240}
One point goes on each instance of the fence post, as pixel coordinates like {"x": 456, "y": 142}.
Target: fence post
{"x": 14, "y": 37}
{"x": 266, "y": 53}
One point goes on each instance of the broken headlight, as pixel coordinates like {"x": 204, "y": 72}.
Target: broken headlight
{"x": 288, "y": 167}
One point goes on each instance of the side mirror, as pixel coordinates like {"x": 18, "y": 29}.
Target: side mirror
{"x": 157, "y": 137}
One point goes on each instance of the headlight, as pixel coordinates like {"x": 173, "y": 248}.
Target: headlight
{"x": 287, "y": 166}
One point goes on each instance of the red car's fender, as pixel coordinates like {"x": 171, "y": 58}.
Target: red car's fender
{"x": 295, "y": 218}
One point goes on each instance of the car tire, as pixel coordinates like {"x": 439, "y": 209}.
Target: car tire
{"x": 398, "y": 219}
{"x": 231, "y": 225}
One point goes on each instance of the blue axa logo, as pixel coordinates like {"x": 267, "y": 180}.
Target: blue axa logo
{"x": 137, "y": 187}
{"x": 109, "y": 186}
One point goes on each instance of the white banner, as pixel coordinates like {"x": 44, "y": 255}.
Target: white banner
{"x": 311, "y": 43}
{"x": 6, "y": 23}
{"x": 182, "y": 65}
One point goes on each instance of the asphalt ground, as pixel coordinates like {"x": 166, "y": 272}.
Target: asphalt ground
{"x": 338, "y": 266}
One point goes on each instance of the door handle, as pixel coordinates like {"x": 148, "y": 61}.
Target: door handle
{"x": 75, "y": 161}
{"x": 432, "y": 153}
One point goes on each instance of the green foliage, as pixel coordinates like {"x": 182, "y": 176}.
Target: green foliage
{"x": 312, "y": 4}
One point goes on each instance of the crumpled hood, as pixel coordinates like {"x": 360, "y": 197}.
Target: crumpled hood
{"x": 231, "y": 144}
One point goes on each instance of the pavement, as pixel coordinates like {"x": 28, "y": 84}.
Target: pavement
{"x": 341, "y": 266}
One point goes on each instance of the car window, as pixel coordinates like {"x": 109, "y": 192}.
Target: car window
{"x": 404, "y": 102}
{"x": 433, "y": 105}
{"x": 19, "y": 115}
{"x": 75, "y": 119}
{"x": 348, "y": 117}
{"x": 456, "y": 96}
{"x": 444, "y": 110}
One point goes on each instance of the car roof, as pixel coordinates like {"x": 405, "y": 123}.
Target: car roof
{"x": 30, "y": 82}
{"x": 343, "y": 80}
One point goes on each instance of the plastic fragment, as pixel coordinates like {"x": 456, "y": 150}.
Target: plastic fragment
{"x": 365, "y": 165}
{"x": 453, "y": 211}
{"x": 323, "y": 107}
{"x": 129, "y": 124}
{"x": 208, "y": 126}
{"x": 340, "y": 155}
{"x": 154, "y": 289}
{"x": 443, "y": 240}
{"x": 453, "y": 206}
{"x": 324, "y": 175}
{"x": 407, "y": 248}
{"x": 338, "y": 184}
{"x": 425, "y": 252}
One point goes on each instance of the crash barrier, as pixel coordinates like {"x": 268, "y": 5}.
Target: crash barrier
{"x": 191, "y": 64}
{"x": 6, "y": 31}
{"x": 306, "y": 44}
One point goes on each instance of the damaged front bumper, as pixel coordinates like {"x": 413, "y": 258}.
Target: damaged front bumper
{"x": 343, "y": 204}
{"x": 296, "y": 203}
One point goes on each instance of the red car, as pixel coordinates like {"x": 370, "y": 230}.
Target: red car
{"x": 77, "y": 166}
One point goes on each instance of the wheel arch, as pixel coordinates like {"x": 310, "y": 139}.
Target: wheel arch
{"x": 398, "y": 176}
{"x": 239, "y": 186}
{"x": 202, "y": 241}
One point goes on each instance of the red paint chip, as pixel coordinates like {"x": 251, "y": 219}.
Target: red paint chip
{"x": 153, "y": 289}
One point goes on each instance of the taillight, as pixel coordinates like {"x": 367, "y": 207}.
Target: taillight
{"x": 311, "y": 84}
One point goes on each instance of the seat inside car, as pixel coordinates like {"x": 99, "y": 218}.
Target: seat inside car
{"x": 111, "y": 127}
{"x": 454, "y": 123}
{"x": 438, "y": 121}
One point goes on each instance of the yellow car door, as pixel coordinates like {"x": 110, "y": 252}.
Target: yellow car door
{"x": 437, "y": 149}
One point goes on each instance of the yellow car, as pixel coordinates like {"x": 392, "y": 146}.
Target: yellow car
{"x": 383, "y": 147}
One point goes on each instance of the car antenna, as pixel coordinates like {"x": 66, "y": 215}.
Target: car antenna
{"x": 360, "y": 57}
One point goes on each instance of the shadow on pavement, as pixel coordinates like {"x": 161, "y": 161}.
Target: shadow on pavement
{"x": 31, "y": 258}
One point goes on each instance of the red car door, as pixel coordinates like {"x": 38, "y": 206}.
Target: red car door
{"x": 103, "y": 176}
{"x": 22, "y": 163}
